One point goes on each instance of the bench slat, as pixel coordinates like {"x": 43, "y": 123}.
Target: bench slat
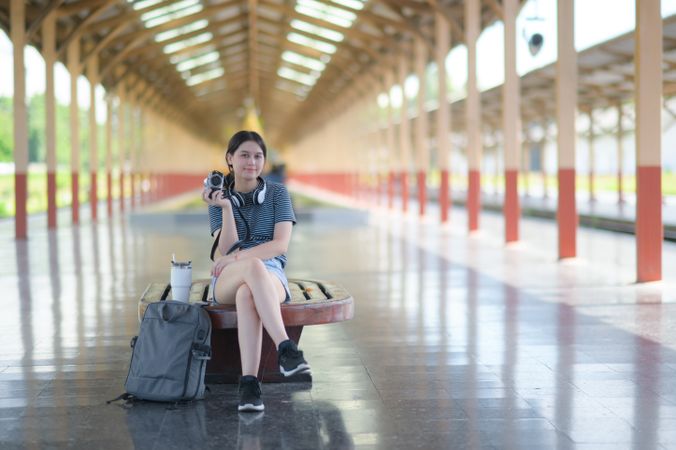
{"x": 296, "y": 292}
{"x": 155, "y": 291}
{"x": 309, "y": 303}
{"x": 312, "y": 290}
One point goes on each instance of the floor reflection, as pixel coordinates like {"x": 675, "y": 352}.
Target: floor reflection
{"x": 207, "y": 424}
{"x": 457, "y": 343}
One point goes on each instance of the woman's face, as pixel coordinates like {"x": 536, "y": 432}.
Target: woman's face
{"x": 248, "y": 160}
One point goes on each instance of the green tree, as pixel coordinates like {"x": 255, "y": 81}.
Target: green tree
{"x": 36, "y": 129}
{"x": 6, "y": 130}
{"x": 62, "y": 134}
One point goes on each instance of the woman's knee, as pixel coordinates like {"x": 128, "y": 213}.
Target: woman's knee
{"x": 255, "y": 267}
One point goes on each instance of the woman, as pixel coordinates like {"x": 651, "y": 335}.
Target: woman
{"x": 253, "y": 221}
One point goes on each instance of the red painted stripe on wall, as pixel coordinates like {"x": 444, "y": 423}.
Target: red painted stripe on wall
{"x": 566, "y": 214}
{"x": 337, "y": 182}
{"x": 474, "y": 199}
{"x": 20, "y": 199}
{"x": 422, "y": 192}
{"x": 512, "y": 209}
{"x": 444, "y": 196}
{"x": 51, "y": 200}
{"x": 75, "y": 196}
{"x": 649, "y": 227}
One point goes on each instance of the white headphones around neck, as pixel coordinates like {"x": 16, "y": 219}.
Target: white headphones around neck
{"x": 258, "y": 193}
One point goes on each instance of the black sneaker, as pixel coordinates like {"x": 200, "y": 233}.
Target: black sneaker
{"x": 250, "y": 394}
{"x": 291, "y": 359}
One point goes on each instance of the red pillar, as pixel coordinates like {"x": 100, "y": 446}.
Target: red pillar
{"x": 93, "y": 196}
{"x": 121, "y": 191}
{"x": 512, "y": 208}
{"x": 648, "y": 57}
{"x": 649, "y": 229}
{"x": 566, "y": 214}
{"x": 474, "y": 199}
{"x": 444, "y": 197}
{"x": 17, "y": 13}
{"x": 109, "y": 193}
{"x": 390, "y": 190}
{"x": 20, "y": 199}
{"x": 566, "y": 103}
{"x": 422, "y": 193}
{"x": 132, "y": 180}
{"x": 473, "y": 113}
{"x": 51, "y": 200}
{"x": 404, "y": 191}
{"x": 75, "y": 195}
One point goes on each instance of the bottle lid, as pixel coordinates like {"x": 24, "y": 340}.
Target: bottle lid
{"x": 181, "y": 264}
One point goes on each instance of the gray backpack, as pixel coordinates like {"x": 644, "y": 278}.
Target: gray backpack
{"x": 170, "y": 354}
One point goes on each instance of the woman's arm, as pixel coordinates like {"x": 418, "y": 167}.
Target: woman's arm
{"x": 228, "y": 235}
{"x": 277, "y": 246}
{"x": 228, "y": 232}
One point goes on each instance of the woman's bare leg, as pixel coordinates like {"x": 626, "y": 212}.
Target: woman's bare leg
{"x": 249, "y": 331}
{"x": 267, "y": 293}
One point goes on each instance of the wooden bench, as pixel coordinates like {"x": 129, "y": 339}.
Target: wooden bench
{"x": 312, "y": 303}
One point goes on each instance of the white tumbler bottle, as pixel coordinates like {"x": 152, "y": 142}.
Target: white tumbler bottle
{"x": 181, "y": 280}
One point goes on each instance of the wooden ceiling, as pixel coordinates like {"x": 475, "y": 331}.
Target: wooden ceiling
{"x": 249, "y": 38}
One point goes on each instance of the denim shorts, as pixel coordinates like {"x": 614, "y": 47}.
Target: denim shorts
{"x": 274, "y": 266}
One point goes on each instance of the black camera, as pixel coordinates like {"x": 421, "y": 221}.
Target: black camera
{"x": 214, "y": 181}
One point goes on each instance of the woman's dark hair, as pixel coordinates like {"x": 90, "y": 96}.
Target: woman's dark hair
{"x": 244, "y": 136}
{"x": 238, "y": 139}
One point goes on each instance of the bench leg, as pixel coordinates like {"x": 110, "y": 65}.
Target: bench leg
{"x": 225, "y": 364}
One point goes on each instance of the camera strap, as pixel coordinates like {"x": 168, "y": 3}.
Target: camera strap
{"x": 237, "y": 245}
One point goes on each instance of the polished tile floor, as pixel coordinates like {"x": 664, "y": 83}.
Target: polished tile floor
{"x": 458, "y": 341}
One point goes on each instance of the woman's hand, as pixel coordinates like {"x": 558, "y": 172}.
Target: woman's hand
{"x": 222, "y": 262}
{"x": 216, "y": 198}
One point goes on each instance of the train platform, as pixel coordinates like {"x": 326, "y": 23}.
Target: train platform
{"x": 458, "y": 340}
{"x": 603, "y": 212}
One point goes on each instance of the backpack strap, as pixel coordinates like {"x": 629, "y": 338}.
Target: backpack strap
{"x": 201, "y": 351}
{"x": 126, "y": 397}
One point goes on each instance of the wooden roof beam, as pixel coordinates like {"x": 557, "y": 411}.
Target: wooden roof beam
{"x": 73, "y": 8}
{"x": 406, "y": 25}
{"x": 457, "y": 30}
{"x": 98, "y": 48}
{"x": 130, "y": 15}
{"x": 37, "y": 22}
{"x": 253, "y": 51}
{"x": 138, "y": 37}
{"x": 212, "y": 27}
{"x": 351, "y": 32}
{"x": 496, "y": 7}
{"x": 81, "y": 27}
{"x": 162, "y": 60}
{"x": 345, "y": 44}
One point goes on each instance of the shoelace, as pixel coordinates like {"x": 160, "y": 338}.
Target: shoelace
{"x": 251, "y": 387}
{"x": 291, "y": 352}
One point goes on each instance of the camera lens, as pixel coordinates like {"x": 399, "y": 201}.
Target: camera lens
{"x": 214, "y": 180}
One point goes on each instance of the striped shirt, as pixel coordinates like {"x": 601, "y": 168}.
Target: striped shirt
{"x": 261, "y": 218}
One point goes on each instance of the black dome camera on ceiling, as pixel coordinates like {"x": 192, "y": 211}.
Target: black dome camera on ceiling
{"x": 535, "y": 43}
{"x": 531, "y": 30}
